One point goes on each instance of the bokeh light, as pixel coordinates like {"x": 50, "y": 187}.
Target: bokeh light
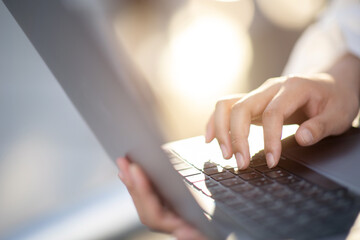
{"x": 191, "y": 57}
{"x": 206, "y": 57}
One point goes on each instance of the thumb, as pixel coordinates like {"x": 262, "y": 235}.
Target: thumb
{"x": 313, "y": 130}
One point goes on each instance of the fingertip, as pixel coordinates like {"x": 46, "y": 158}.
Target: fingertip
{"x": 208, "y": 137}
{"x": 241, "y": 161}
{"x": 270, "y": 160}
{"x": 210, "y": 130}
{"x": 225, "y": 151}
{"x": 304, "y": 137}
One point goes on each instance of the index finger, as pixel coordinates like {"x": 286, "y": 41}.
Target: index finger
{"x": 243, "y": 112}
{"x": 279, "y": 108}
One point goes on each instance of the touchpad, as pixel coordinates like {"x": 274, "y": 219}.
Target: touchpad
{"x": 337, "y": 158}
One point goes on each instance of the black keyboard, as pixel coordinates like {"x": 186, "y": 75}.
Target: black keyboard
{"x": 288, "y": 201}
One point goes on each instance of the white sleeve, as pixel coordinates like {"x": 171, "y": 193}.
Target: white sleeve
{"x": 336, "y": 32}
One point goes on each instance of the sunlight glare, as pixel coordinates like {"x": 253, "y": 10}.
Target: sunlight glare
{"x": 206, "y": 56}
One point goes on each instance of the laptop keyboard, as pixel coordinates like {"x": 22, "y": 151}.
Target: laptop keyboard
{"x": 274, "y": 203}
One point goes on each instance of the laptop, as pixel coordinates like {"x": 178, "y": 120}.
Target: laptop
{"x": 312, "y": 194}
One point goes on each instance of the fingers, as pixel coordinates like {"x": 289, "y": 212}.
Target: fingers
{"x": 311, "y": 131}
{"x": 124, "y": 173}
{"x": 243, "y": 113}
{"x": 147, "y": 203}
{"x": 283, "y": 104}
{"x": 221, "y": 125}
{"x": 322, "y": 125}
{"x": 240, "y": 125}
{"x": 210, "y": 129}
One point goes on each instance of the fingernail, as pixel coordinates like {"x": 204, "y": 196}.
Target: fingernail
{"x": 224, "y": 150}
{"x": 240, "y": 160}
{"x": 306, "y": 136}
{"x": 270, "y": 160}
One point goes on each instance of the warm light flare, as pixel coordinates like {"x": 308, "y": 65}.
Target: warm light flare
{"x": 206, "y": 56}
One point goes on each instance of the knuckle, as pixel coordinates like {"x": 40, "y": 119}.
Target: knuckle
{"x": 236, "y": 139}
{"x": 294, "y": 81}
{"x": 271, "y": 81}
{"x": 239, "y": 106}
{"x": 222, "y": 103}
{"x": 270, "y": 112}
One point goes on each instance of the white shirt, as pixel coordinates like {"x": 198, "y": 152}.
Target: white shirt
{"x": 336, "y": 33}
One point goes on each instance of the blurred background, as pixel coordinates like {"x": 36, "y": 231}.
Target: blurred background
{"x": 56, "y": 182}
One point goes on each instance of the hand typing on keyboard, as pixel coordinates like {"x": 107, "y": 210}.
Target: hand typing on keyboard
{"x": 323, "y": 104}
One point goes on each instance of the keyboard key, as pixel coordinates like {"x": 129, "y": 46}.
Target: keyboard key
{"x": 255, "y": 215}
{"x": 242, "y": 188}
{"x": 224, "y": 196}
{"x": 277, "y": 174}
{"x": 231, "y": 182}
{"x": 213, "y": 170}
{"x": 296, "y": 198}
{"x": 209, "y": 191}
{"x": 264, "y": 200}
{"x": 204, "y": 185}
{"x": 284, "y": 194}
{"x": 175, "y": 160}
{"x": 300, "y": 186}
{"x": 238, "y": 205}
{"x": 252, "y": 194}
{"x": 236, "y": 171}
{"x": 197, "y": 178}
{"x": 209, "y": 182}
{"x": 209, "y": 165}
{"x": 216, "y": 190}
{"x": 222, "y": 176}
{"x": 189, "y": 172}
{"x": 274, "y": 187}
{"x": 309, "y": 205}
{"x": 255, "y": 162}
{"x": 250, "y": 175}
{"x": 342, "y": 204}
{"x": 182, "y": 166}
{"x": 288, "y": 180}
{"x": 260, "y": 182}
{"x": 264, "y": 169}
{"x": 313, "y": 191}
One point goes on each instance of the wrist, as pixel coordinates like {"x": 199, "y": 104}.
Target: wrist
{"x": 346, "y": 73}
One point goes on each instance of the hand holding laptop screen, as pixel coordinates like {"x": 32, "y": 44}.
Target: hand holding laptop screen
{"x": 152, "y": 212}
{"x": 323, "y": 104}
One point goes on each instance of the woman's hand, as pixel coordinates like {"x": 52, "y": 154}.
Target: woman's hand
{"x": 323, "y": 104}
{"x": 152, "y": 211}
